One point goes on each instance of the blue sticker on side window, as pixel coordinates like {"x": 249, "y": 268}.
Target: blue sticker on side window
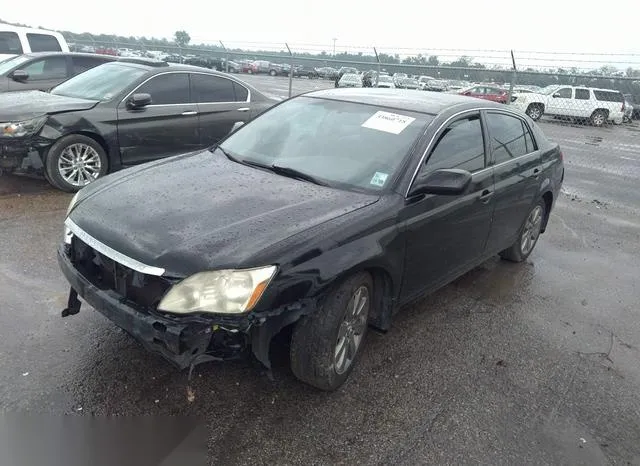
{"x": 379, "y": 179}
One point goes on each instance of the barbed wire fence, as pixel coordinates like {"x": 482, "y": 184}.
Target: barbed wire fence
{"x": 581, "y": 79}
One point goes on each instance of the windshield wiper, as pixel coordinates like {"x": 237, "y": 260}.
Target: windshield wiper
{"x": 293, "y": 173}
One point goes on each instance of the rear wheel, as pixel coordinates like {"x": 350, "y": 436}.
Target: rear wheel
{"x": 272, "y": 72}
{"x": 529, "y": 234}
{"x": 535, "y": 111}
{"x": 326, "y": 344}
{"x": 598, "y": 118}
{"x": 75, "y": 161}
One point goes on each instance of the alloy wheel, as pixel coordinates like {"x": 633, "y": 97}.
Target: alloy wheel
{"x": 79, "y": 164}
{"x": 531, "y": 230}
{"x": 352, "y": 330}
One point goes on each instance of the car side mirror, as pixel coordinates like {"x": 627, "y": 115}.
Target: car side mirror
{"x": 442, "y": 182}
{"x": 555, "y": 96}
{"x": 138, "y": 101}
{"x": 20, "y": 76}
{"x": 466, "y": 93}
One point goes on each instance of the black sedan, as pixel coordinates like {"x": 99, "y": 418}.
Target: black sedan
{"x": 326, "y": 213}
{"x": 119, "y": 114}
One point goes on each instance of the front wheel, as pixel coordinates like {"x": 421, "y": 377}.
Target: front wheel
{"x": 272, "y": 72}
{"x": 529, "y": 234}
{"x": 535, "y": 111}
{"x": 75, "y": 161}
{"x": 326, "y": 344}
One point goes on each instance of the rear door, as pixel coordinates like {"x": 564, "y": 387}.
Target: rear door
{"x": 221, "y": 104}
{"x": 168, "y": 126}
{"x": 516, "y": 165}
{"x": 446, "y": 233}
{"x": 582, "y": 104}
{"x": 44, "y": 73}
{"x": 82, "y": 63}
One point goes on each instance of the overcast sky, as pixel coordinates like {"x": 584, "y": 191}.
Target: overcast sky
{"x": 469, "y": 25}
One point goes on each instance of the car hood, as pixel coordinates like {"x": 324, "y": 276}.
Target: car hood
{"x": 23, "y": 105}
{"x": 202, "y": 211}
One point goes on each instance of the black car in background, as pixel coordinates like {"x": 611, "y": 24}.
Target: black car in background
{"x": 326, "y": 213}
{"x": 305, "y": 72}
{"x": 118, "y": 114}
{"x": 44, "y": 70}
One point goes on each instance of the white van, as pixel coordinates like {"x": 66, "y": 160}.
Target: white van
{"x": 16, "y": 40}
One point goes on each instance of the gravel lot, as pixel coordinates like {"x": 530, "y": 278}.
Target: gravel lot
{"x": 537, "y": 363}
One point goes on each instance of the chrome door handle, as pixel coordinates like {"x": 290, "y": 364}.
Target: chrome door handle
{"x": 189, "y": 113}
{"x": 486, "y": 196}
{"x": 244, "y": 109}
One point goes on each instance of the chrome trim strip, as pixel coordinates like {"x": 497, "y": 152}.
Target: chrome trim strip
{"x": 470, "y": 110}
{"x": 188, "y": 103}
{"x": 112, "y": 253}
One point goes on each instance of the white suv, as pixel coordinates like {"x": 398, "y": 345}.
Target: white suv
{"x": 597, "y": 105}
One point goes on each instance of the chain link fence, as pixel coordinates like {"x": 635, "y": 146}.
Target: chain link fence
{"x": 580, "y": 88}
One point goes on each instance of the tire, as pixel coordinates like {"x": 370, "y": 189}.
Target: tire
{"x": 535, "y": 111}
{"x": 531, "y": 228}
{"x": 598, "y": 118}
{"x": 273, "y": 72}
{"x": 249, "y": 72}
{"x": 82, "y": 150}
{"x": 316, "y": 342}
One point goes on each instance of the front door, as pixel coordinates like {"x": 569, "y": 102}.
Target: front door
{"x": 43, "y": 74}
{"x": 445, "y": 234}
{"x": 517, "y": 165}
{"x": 168, "y": 126}
{"x": 221, "y": 104}
{"x": 561, "y": 102}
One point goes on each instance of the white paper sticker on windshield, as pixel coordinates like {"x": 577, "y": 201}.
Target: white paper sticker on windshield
{"x": 388, "y": 122}
{"x": 379, "y": 179}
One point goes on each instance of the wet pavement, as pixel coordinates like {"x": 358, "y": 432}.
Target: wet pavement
{"x": 533, "y": 363}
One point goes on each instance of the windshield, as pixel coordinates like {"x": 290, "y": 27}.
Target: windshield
{"x": 102, "y": 83}
{"x": 342, "y": 144}
{"x": 549, "y": 89}
{"x": 10, "y": 63}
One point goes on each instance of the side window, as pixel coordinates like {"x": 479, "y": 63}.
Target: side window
{"x": 528, "y": 138}
{"x": 81, "y": 64}
{"x": 582, "y": 94}
{"x": 10, "y": 43}
{"x": 43, "y": 43}
{"x": 46, "y": 68}
{"x": 609, "y": 96}
{"x": 564, "y": 93}
{"x": 461, "y": 145}
{"x": 241, "y": 92}
{"x": 207, "y": 88}
{"x": 508, "y": 139}
{"x": 167, "y": 89}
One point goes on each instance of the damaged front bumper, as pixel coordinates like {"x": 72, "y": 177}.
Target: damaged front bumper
{"x": 22, "y": 155}
{"x": 184, "y": 341}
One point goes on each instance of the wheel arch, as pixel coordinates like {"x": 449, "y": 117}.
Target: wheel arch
{"x": 547, "y": 197}
{"x": 90, "y": 134}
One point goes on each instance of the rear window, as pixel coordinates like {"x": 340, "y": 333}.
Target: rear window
{"x": 10, "y": 43}
{"x": 608, "y": 96}
{"x": 43, "y": 43}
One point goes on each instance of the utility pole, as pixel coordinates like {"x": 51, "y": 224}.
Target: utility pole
{"x": 334, "y": 47}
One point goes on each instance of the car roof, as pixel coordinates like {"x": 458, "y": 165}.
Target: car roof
{"x": 72, "y": 54}
{"x": 423, "y": 102}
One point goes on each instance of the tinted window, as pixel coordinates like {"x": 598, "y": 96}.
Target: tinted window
{"x": 212, "y": 89}
{"x": 241, "y": 92}
{"x": 564, "y": 93}
{"x": 461, "y": 145}
{"x": 47, "y": 68}
{"x": 582, "y": 94}
{"x": 528, "y": 138}
{"x": 508, "y": 138}
{"x": 81, "y": 64}
{"x": 608, "y": 96}
{"x": 10, "y": 43}
{"x": 43, "y": 43}
{"x": 172, "y": 88}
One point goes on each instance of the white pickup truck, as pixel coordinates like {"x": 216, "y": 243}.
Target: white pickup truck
{"x": 593, "y": 104}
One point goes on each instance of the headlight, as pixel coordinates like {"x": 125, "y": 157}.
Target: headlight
{"x": 218, "y": 292}
{"x": 74, "y": 199}
{"x": 18, "y": 129}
